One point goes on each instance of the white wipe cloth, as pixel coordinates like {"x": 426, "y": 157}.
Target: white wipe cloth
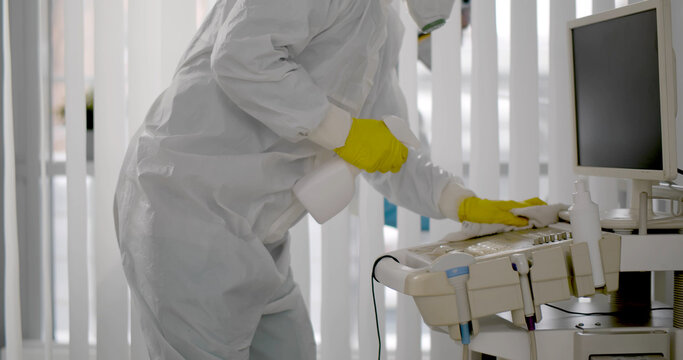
{"x": 541, "y": 215}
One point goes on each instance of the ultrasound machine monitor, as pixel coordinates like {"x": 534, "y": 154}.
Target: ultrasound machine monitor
{"x": 623, "y": 81}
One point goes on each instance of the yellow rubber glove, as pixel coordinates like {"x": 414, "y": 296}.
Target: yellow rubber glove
{"x": 478, "y": 210}
{"x": 370, "y": 146}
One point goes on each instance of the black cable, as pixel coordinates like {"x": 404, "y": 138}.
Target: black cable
{"x": 596, "y": 313}
{"x": 680, "y": 171}
{"x": 579, "y": 313}
{"x": 374, "y": 302}
{"x": 379, "y": 337}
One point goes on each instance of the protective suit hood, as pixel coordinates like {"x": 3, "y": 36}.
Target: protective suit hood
{"x": 430, "y": 14}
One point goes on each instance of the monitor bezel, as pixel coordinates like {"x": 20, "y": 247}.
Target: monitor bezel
{"x": 667, "y": 80}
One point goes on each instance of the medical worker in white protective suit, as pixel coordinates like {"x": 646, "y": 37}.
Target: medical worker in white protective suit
{"x": 264, "y": 94}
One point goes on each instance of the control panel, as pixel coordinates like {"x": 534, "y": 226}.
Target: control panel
{"x": 491, "y": 246}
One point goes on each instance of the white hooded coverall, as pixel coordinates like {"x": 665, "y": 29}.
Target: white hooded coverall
{"x": 213, "y": 165}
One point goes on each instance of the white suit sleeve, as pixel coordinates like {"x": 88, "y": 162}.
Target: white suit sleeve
{"x": 252, "y": 61}
{"x": 422, "y": 187}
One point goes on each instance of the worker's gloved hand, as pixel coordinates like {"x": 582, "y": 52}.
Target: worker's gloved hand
{"x": 370, "y": 146}
{"x": 486, "y": 211}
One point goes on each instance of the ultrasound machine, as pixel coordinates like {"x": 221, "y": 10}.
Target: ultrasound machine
{"x": 530, "y": 294}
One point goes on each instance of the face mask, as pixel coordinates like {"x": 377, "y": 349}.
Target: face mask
{"x": 430, "y": 14}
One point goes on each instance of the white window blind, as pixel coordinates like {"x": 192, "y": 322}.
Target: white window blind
{"x": 76, "y": 180}
{"x": 110, "y": 136}
{"x": 408, "y": 322}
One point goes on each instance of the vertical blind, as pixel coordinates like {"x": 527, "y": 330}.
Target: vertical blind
{"x": 110, "y": 135}
{"x": 408, "y": 223}
{"x": 524, "y": 120}
{"x": 560, "y": 174}
{"x": 484, "y": 164}
{"x": 447, "y": 140}
{"x": 76, "y": 176}
{"x": 131, "y": 70}
{"x": 14, "y": 347}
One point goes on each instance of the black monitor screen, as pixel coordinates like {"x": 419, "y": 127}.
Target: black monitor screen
{"x": 616, "y": 86}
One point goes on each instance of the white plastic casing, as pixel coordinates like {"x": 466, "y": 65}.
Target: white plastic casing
{"x": 582, "y": 279}
{"x": 556, "y": 270}
{"x": 549, "y": 278}
{"x": 585, "y": 225}
{"x": 328, "y": 190}
{"x": 493, "y": 287}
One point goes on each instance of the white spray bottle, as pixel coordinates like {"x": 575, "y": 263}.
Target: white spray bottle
{"x": 585, "y": 224}
{"x": 328, "y": 189}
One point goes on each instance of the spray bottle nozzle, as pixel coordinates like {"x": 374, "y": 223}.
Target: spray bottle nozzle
{"x": 580, "y": 185}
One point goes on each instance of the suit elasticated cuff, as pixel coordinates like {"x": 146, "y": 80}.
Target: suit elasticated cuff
{"x": 451, "y": 198}
{"x": 331, "y": 133}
